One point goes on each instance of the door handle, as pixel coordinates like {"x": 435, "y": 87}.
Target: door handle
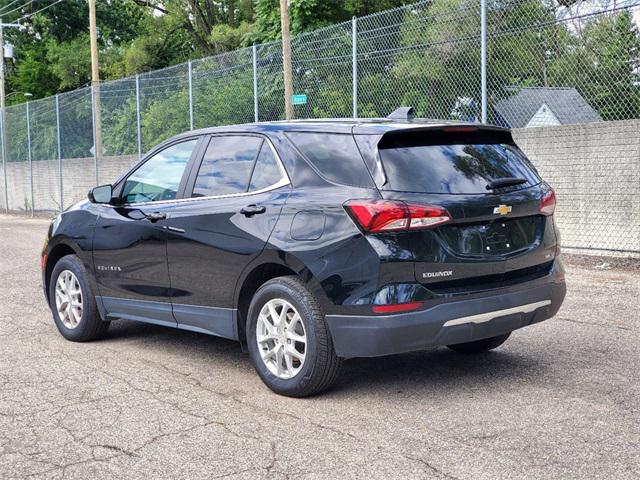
{"x": 155, "y": 216}
{"x": 251, "y": 210}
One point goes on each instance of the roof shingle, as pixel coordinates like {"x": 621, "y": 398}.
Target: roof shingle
{"x": 566, "y": 104}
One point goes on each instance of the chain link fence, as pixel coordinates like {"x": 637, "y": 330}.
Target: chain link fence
{"x": 565, "y": 76}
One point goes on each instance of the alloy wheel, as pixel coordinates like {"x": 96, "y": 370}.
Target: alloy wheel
{"x": 281, "y": 338}
{"x": 68, "y": 299}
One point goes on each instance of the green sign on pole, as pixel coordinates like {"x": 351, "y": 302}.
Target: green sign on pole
{"x": 299, "y": 99}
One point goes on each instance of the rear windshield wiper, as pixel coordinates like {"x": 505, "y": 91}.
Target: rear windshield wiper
{"x": 505, "y": 182}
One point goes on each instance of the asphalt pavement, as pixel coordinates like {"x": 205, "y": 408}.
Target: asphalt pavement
{"x": 559, "y": 400}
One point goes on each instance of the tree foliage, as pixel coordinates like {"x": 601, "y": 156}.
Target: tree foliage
{"x": 427, "y": 57}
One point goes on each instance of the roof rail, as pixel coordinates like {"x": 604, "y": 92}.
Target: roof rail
{"x": 402, "y": 113}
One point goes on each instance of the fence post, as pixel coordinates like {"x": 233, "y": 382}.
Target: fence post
{"x": 255, "y": 82}
{"x": 483, "y": 59}
{"x": 190, "y": 95}
{"x": 354, "y": 54}
{"x": 138, "y": 126}
{"x": 29, "y": 156}
{"x": 4, "y": 161}
{"x": 93, "y": 120}
{"x": 59, "y": 153}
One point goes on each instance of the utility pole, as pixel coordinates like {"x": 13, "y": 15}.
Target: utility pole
{"x": 3, "y": 120}
{"x": 286, "y": 59}
{"x": 95, "y": 81}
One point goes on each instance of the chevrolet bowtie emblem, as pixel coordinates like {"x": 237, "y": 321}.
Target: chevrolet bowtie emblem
{"x": 502, "y": 209}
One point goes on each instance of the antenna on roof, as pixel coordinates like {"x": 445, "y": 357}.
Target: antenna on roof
{"x": 403, "y": 113}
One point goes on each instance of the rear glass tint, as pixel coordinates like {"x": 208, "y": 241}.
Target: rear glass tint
{"x": 226, "y": 166}
{"x": 335, "y": 156}
{"x": 266, "y": 171}
{"x": 457, "y": 168}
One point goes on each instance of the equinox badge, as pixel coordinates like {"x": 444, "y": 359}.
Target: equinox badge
{"x": 502, "y": 209}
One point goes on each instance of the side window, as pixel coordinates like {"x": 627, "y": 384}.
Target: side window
{"x": 159, "y": 177}
{"x": 266, "y": 171}
{"x": 226, "y": 166}
{"x": 336, "y": 156}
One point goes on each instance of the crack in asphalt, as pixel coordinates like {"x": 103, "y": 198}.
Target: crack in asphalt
{"x": 207, "y": 421}
{"x": 430, "y": 467}
{"x": 32, "y": 404}
{"x": 596, "y": 324}
{"x": 116, "y": 449}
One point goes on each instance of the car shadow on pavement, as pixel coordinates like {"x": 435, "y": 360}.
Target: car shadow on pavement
{"x": 438, "y": 370}
{"x": 430, "y": 371}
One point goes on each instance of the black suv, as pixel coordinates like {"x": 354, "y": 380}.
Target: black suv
{"x": 315, "y": 241}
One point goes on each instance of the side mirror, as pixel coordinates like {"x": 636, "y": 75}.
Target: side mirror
{"x": 101, "y": 194}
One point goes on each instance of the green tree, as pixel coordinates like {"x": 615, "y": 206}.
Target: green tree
{"x": 34, "y": 76}
{"x": 70, "y": 61}
{"x": 603, "y": 64}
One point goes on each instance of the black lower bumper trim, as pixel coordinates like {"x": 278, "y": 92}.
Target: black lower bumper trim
{"x": 445, "y": 324}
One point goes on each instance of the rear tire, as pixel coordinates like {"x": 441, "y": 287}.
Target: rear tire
{"x": 72, "y": 302}
{"x": 299, "y": 331}
{"x": 480, "y": 346}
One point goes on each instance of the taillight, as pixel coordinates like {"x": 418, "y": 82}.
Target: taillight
{"x": 548, "y": 203}
{"x": 423, "y": 216}
{"x": 392, "y": 216}
{"x": 379, "y": 215}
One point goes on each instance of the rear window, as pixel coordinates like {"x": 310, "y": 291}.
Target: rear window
{"x": 462, "y": 168}
{"x": 335, "y": 156}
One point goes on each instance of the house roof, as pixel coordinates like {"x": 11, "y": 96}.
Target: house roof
{"x": 565, "y": 103}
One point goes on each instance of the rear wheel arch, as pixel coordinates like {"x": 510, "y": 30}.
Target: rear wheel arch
{"x": 318, "y": 367}
{"x": 257, "y": 277}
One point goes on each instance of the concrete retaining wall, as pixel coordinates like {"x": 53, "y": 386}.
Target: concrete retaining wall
{"x": 595, "y": 171}
{"x": 78, "y": 176}
{"x": 594, "y": 168}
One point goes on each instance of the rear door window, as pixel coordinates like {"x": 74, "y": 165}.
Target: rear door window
{"x": 227, "y": 165}
{"x": 335, "y": 156}
{"x": 266, "y": 172}
{"x": 460, "y": 168}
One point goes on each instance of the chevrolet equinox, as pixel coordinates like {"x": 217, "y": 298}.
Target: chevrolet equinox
{"x": 311, "y": 242}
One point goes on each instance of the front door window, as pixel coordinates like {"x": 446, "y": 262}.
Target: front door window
{"x": 159, "y": 177}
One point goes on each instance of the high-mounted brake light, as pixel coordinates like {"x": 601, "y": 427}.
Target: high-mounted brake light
{"x": 548, "y": 203}
{"x": 375, "y": 216}
{"x": 459, "y": 129}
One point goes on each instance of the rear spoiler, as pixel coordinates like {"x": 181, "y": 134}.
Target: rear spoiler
{"x": 444, "y": 135}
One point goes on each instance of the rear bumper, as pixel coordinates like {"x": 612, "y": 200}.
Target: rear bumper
{"x": 447, "y": 323}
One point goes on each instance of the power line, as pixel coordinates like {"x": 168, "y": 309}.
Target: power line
{"x": 24, "y": 17}
{"x": 7, "y": 6}
{"x": 19, "y": 8}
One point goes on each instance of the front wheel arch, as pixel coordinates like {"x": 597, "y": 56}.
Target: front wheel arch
{"x": 90, "y": 326}
{"x": 53, "y": 257}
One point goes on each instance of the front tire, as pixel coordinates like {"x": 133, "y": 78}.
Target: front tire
{"x": 288, "y": 339}
{"x": 480, "y": 346}
{"x": 72, "y": 302}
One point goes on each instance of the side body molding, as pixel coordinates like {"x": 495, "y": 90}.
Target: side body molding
{"x": 220, "y": 322}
